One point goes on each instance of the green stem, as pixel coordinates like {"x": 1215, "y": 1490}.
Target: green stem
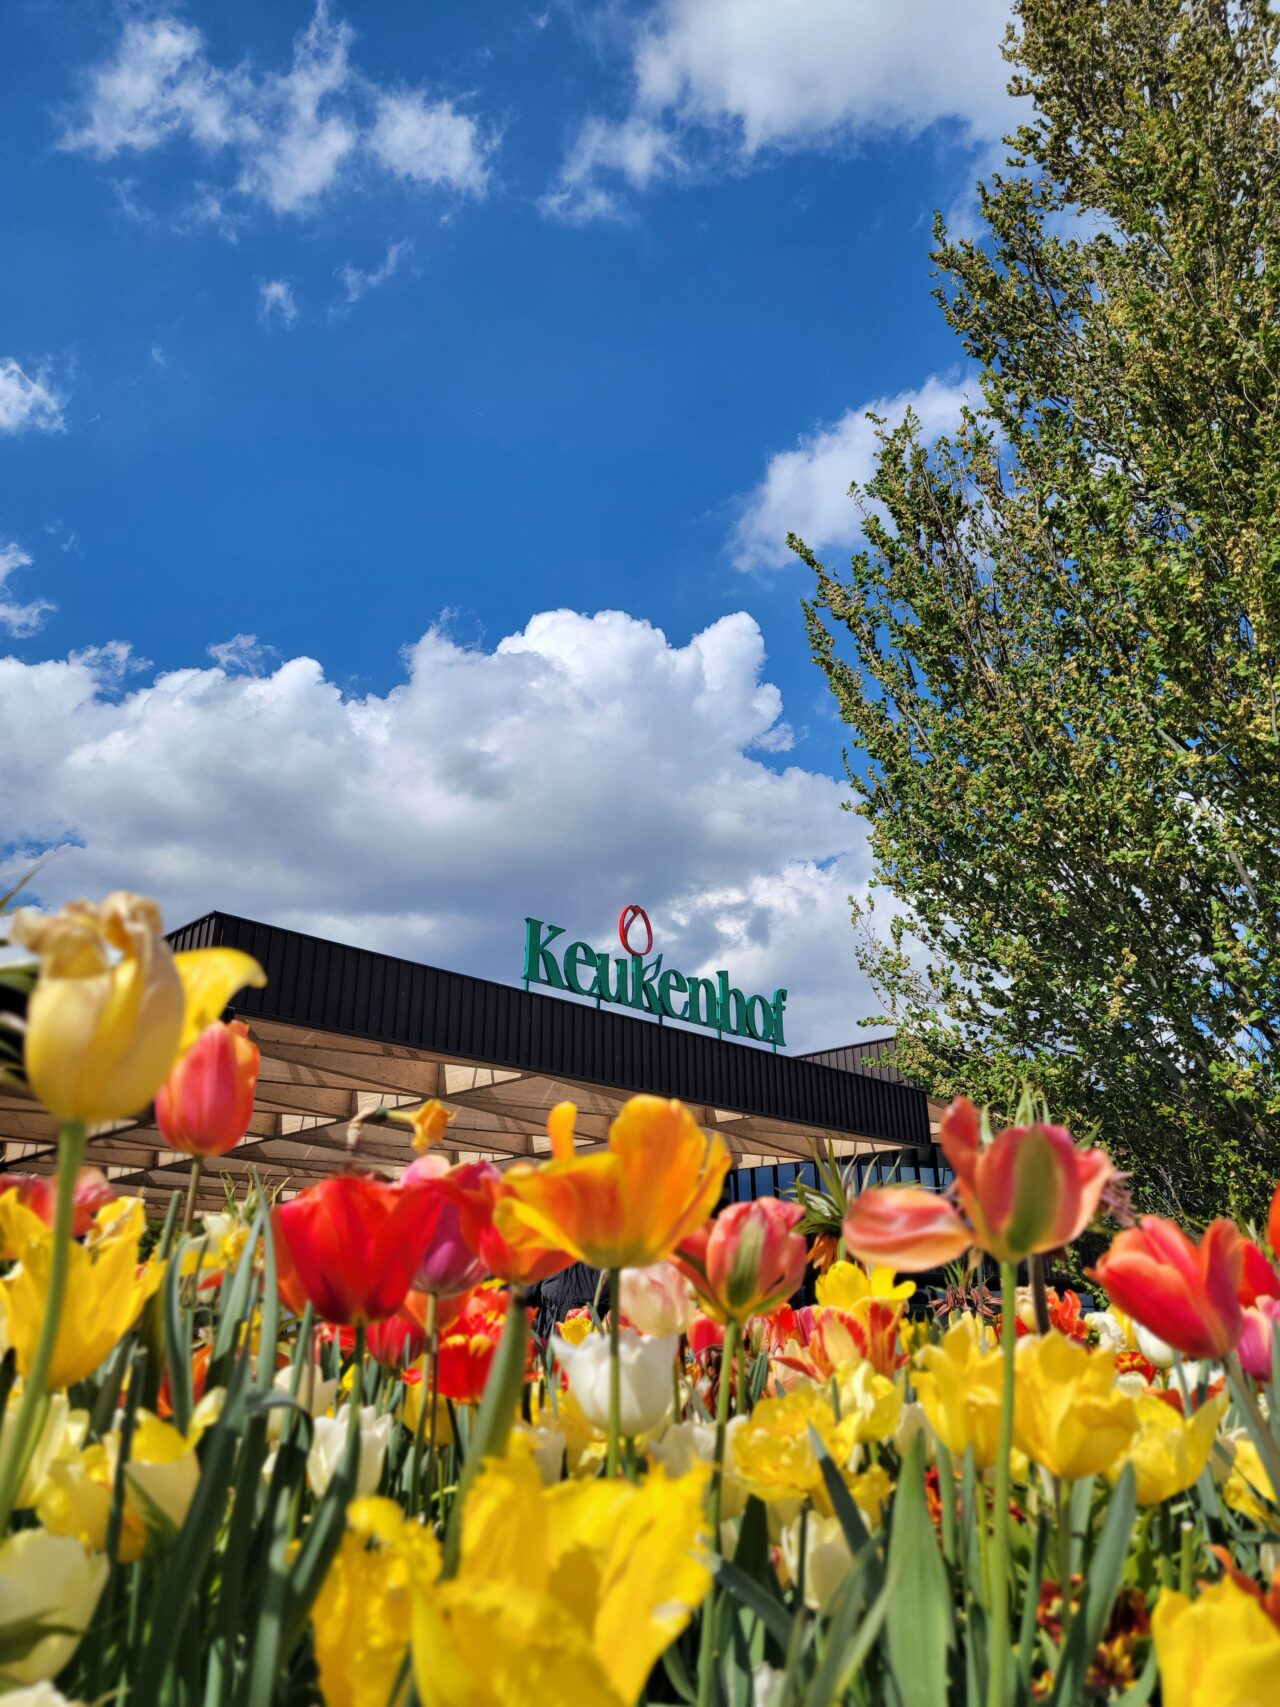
{"x": 999, "y": 1642}
{"x": 433, "y": 1398}
{"x": 1256, "y": 1423}
{"x": 1063, "y": 1490}
{"x": 708, "y": 1656}
{"x": 71, "y": 1145}
{"x": 193, "y": 1186}
{"x": 677, "y": 1403}
{"x": 615, "y": 1372}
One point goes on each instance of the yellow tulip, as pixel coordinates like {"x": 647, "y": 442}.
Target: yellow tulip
{"x": 846, "y": 1285}
{"x": 112, "y": 1008}
{"x": 46, "y": 1580}
{"x": 1169, "y": 1452}
{"x": 1068, "y": 1414}
{"x": 161, "y": 1479}
{"x": 605, "y": 1576}
{"x": 1218, "y": 1651}
{"x": 105, "y": 1289}
{"x": 1248, "y": 1487}
{"x": 382, "y": 1553}
{"x": 774, "y": 1453}
{"x": 61, "y": 1436}
{"x": 960, "y": 1386}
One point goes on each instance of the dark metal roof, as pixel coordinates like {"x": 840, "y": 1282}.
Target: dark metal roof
{"x": 874, "y": 1055}
{"x": 358, "y": 993}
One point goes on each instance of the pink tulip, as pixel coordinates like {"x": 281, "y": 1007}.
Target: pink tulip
{"x": 449, "y": 1266}
{"x": 656, "y": 1300}
{"x": 905, "y": 1227}
{"x": 748, "y": 1260}
{"x": 1254, "y": 1348}
{"x": 38, "y": 1193}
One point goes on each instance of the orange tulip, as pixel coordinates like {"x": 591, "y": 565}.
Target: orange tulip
{"x": 629, "y": 1207}
{"x": 204, "y": 1107}
{"x": 905, "y": 1227}
{"x": 1186, "y": 1294}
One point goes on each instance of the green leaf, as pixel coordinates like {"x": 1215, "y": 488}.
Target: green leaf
{"x": 920, "y": 1627}
{"x": 850, "y": 1639}
{"x": 1102, "y": 1583}
{"x": 753, "y": 1595}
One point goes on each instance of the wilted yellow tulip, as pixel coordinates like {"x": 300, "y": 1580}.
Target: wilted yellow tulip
{"x": 1169, "y": 1452}
{"x": 1220, "y": 1650}
{"x": 382, "y": 1553}
{"x": 46, "y": 1580}
{"x": 109, "y": 1011}
{"x": 605, "y": 1576}
{"x": 960, "y": 1386}
{"x": 1068, "y": 1414}
{"x": 105, "y": 1290}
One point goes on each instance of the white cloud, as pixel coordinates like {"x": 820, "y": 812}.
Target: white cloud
{"x": 27, "y": 400}
{"x": 579, "y": 764}
{"x": 18, "y": 619}
{"x": 356, "y": 283}
{"x": 242, "y": 652}
{"x": 276, "y": 302}
{"x": 806, "y": 490}
{"x": 289, "y": 136}
{"x": 739, "y": 76}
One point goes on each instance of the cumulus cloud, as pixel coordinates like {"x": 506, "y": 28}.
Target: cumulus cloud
{"x": 581, "y": 763}
{"x": 17, "y": 619}
{"x": 28, "y": 402}
{"x": 287, "y": 136}
{"x": 806, "y": 490}
{"x": 275, "y": 302}
{"x": 733, "y": 77}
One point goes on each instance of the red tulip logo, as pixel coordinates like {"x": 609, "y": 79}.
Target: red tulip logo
{"x": 627, "y": 919}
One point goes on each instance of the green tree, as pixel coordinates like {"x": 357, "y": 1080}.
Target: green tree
{"x": 1058, "y": 651}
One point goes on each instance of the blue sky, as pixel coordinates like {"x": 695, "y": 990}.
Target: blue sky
{"x": 339, "y": 347}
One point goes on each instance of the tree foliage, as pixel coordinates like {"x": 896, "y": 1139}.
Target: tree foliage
{"x": 1058, "y": 652}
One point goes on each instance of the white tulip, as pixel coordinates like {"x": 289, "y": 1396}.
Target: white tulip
{"x": 684, "y": 1446}
{"x": 315, "y": 1394}
{"x": 546, "y": 1448}
{"x": 827, "y": 1558}
{"x": 1106, "y": 1325}
{"x": 645, "y": 1378}
{"x": 657, "y": 1300}
{"x": 1154, "y": 1349}
{"x": 329, "y": 1442}
{"x": 38, "y": 1695}
{"x": 47, "y": 1579}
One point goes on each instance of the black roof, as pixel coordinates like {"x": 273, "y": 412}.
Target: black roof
{"x": 355, "y": 992}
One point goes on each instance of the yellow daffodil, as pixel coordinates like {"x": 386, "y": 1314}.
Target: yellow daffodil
{"x": 45, "y": 1581}
{"x": 363, "y": 1614}
{"x": 847, "y": 1285}
{"x": 1220, "y": 1650}
{"x": 960, "y": 1386}
{"x": 1248, "y": 1487}
{"x": 112, "y": 1007}
{"x": 605, "y": 1576}
{"x": 429, "y": 1123}
{"x": 105, "y": 1288}
{"x": 774, "y": 1453}
{"x": 575, "y": 1330}
{"x": 1168, "y": 1453}
{"x": 1069, "y": 1415}
{"x": 161, "y": 1478}
{"x": 627, "y": 1207}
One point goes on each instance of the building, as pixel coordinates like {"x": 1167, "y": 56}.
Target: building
{"x": 342, "y": 1030}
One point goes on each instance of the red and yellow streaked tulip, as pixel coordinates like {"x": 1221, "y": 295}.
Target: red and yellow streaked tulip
{"x": 477, "y": 1188}
{"x": 1186, "y": 1294}
{"x": 652, "y": 1188}
{"x": 748, "y": 1260}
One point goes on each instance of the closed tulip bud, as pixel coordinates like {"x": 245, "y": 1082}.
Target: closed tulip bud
{"x": 749, "y": 1260}
{"x": 204, "y": 1106}
{"x": 46, "y": 1580}
{"x": 644, "y": 1371}
{"x": 657, "y": 1300}
{"x": 329, "y": 1442}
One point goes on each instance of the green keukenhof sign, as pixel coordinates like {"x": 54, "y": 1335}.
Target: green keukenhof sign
{"x": 631, "y": 980}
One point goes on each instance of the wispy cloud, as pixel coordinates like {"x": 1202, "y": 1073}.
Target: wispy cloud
{"x": 28, "y": 401}
{"x": 17, "y": 619}
{"x": 275, "y": 302}
{"x": 357, "y": 283}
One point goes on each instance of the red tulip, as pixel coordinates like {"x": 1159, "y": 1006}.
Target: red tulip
{"x": 749, "y": 1259}
{"x": 1258, "y": 1279}
{"x": 1187, "y": 1295}
{"x": 1273, "y": 1223}
{"x": 467, "y": 1348}
{"x": 39, "y": 1194}
{"x": 204, "y": 1107}
{"x": 905, "y": 1227}
{"x": 396, "y": 1341}
{"x": 704, "y": 1335}
{"x": 355, "y": 1244}
{"x": 477, "y": 1188}
{"x": 1029, "y": 1190}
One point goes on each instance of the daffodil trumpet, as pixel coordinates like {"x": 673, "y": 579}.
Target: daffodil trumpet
{"x": 72, "y": 1138}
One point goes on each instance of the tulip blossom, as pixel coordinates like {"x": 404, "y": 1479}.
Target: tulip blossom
{"x": 396, "y": 1340}
{"x": 960, "y": 1387}
{"x": 329, "y": 1443}
{"x": 204, "y": 1106}
{"x": 1257, "y": 1336}
{"x": 629, "y": 1207}
{"x": 1273, "y": 1222}
{"x": 850, "y": 1287}
{"x": 657, "y": 1299}
{"x": 1068, "y": 1414}
{"x": 448, "y": 1266}
{"x": 1186, "y": 1294}
{"x": 46, "y": 1582}
{"x": 355, "y": 1244}
{"x": 1220, "y": 1650}
{"x": 61, "y": 1436}
{"x": 544, "y": 1445}
{"x": 605, "y": 1576}
{"x": 905, "y": 1227}
{"x": 826, "y": 1561}
{"x": 750, "y": 1259}
{"x": 644, "y": 1367}
{"x": 477, "y": 1188}
{"x": 109, "y": 1010}
{"x": 106, "y": 1287}
{"x": 467, "y": 1347}
{"x": 837, "y": 1339}
{"x": 1169, "y": 1451}
{"x": 39, "y": 1194}
{"x": 1258, "y": 1278}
